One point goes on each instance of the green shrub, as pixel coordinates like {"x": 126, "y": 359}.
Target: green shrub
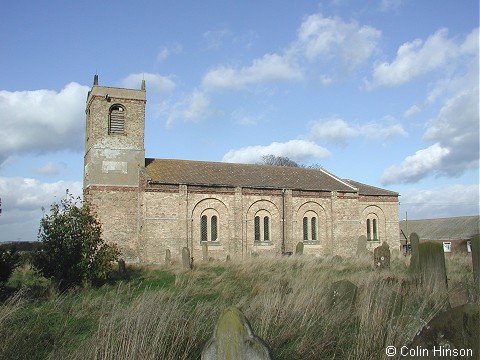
{"x": 73, "y": 250}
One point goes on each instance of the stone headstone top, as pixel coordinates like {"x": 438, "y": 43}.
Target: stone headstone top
{"x": 381, "y": 257}
{"x": 234, "y": 339}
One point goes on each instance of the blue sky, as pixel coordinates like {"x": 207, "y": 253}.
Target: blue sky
{"x": 384, "y": 92}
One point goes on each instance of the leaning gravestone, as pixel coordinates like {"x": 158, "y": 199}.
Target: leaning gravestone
{"x": 342, "y": 293}
{"x": 168, "y": 257}
{"x": 431, "y": 262}
{"x": 362, "y": 245}
{"x": 449, "y": 335}
{"x": 234, "y": 339}
{"x": 122, "y": 269}
{"x": 299, "y": 248}
{"x": 204, "y": 252}
{"x": 186, "y": 259}
{"x": 476, "y": 259}
{"x": 381, "y": 257}
{"x": 414, "y": 242}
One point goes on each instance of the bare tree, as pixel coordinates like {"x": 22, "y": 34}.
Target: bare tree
{"x": 285, "y": 161}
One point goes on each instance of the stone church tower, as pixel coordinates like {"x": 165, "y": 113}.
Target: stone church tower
{"x": 147, "y": 206}
{"x": 114, "y": 157}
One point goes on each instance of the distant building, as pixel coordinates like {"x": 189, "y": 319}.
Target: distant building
{"x": 147, "y": 206}
{"x": 454, "y": 233}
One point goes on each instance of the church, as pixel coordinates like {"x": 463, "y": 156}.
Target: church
{"x": 148, "y": 206}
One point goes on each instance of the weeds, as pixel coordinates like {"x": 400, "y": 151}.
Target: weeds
{"x": 170, "y": 313}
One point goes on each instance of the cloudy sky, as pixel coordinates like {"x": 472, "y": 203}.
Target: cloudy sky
{"x": 383, "y": 92}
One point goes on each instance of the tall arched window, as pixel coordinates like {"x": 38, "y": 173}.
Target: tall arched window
{"x": 213, "y": 228}
{"x": 372, "y": 228}
{"x": 305, "y": 228}
{"x": 208, "y": 227}
{"x": 262, "y": 233}
{"x": 310, "y": 231}
{"x": 203, "y": 228}
{"x": 116, "y": 121}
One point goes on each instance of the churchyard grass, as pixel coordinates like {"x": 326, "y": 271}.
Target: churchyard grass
{"x": 168, "y": 312}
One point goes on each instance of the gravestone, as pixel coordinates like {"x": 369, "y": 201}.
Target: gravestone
{"x": 168, "y": 257}
{"x": 205, "y": 252}
{"x": 186, "y": 259}
{"x": 414, "y": 242}
{"x": 431, "y": 261}
{"x": 343, "y": 293}
{"x": 381, "y": 257}
{"x": 476, "y": 259}
{"x": 234, "y": 339}
{"x": 299, "y": 248}
{"x": 450, "y": 335}
{"x": 121, "y": 266}
{"x": 362, "y": 246}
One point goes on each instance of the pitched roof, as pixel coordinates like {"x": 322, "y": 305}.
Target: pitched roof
{"x": 169, "y": 171}
{"x": 455, "y": 228}
{"x": 364, "y": 189}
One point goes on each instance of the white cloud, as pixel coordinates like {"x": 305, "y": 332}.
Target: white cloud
{"x": 417, "y": 58}
{"x": 449, "y": 201}
{"x": 155, "y": 84}
{"x": 297, "y": 150}
{"x": 339, "y": 131}
{"x": 388, "y": 5}
{"x": 49, "y": 168}
{"x": 42, "y": 121}
{"x": 214, "y": 39}
{"x": 166, "y": 51}
{"x": 322, "y": 37}
{"x": 412, "y": 110}
{"x": 22, "y": 202}
{"x": 271, "y": 67}
{"x": 416, "y": 167}
{"x": 192, "y": 108}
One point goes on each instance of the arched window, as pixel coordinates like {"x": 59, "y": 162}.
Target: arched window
{"x": 262, "y": 233}
{"x": 314, "y": 228}
{"x": 310, "y": 231}
{"x": 266, "y": 228}
{"x": 214, "y": 229}
{"x": 305, "y": 228}
{"x": 209, "y": 228}
{"x": 203, "y": 228}
{"x": 372, "y": 228}
{"x": 257, "y": 228}
{"x": 369, "y": 234}
{"x": 116, "y": 120}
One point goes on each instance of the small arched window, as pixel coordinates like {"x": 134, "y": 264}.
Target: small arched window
{"x": 372, "y": 228}
{"x": 257, "y": 228}
{"x": 266, "y": 228}
{"x": 310, "y": 226}
{"x": 116, "y": 121}
{"x": 203, "y": 228}
{"x": 209, "y": 227}
{"x": 214, "y": 228}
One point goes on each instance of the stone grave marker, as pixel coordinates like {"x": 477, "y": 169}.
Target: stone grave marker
{"x": 432, "y": 264}
{"x": 168, "y": 257}
{"x": 414, "y": 242}
{"x": 186, "y": 259}
{"x": 453, "y": 334}
{"x": 299, "y": 248}
{"x": 234, "y": 339}
{"x": 381, "y": 257}
{"x": 362, "y": 245}
{"x": 204, "y": 252}
{"x": 122, "y": 269}
{"x": 343, "y": 293}
{"x": 476, "y": 259}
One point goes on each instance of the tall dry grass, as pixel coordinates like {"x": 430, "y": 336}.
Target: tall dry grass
{"x": 287, "y": 301}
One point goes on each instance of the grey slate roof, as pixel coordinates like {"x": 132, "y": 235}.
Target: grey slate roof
{"x": 455, "y": 228}
{"x": 170, "y": 171}
{"x": 364, "y": 189}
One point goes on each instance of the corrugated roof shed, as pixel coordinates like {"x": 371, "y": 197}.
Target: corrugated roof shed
{"x": 455, "y": 228}
{"x": 169, "y": 171}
